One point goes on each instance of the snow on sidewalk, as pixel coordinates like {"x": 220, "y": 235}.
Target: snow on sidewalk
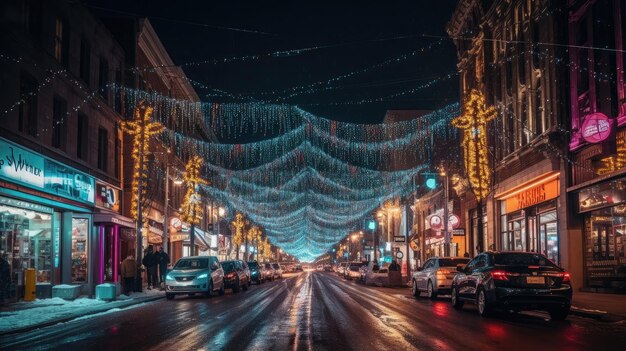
{"x": 26, "y": 314}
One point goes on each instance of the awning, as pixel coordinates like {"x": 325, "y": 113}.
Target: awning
{"x": 113, "y": 218}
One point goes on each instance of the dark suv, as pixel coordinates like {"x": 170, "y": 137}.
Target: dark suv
{"x": 515, "y": 281}
{"x": 234, "y": 276}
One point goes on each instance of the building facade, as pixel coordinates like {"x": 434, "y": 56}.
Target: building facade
{"x": 507, "y": 50}
{"x": 597, "y": 93}
{"x": 60, "y": 143}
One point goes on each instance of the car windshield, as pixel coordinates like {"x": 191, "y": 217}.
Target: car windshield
{"x": 355, "y": 267}
{"x": 452, "y": 262}
{"x": 192, "y": 263}
{"x": 253, "y": 265}
{"x": 267, "y": 265}
{"x": 522, "y": 259}
{"x": 275, "y": 265}
{"x": 228, "y": 266}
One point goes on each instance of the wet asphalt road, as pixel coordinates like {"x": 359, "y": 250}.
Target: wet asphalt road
{"x": 317, "y": 311}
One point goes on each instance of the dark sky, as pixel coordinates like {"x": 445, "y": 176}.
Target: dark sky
{"x": 361, "y": 30}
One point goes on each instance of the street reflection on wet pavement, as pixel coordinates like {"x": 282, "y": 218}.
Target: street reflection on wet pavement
{"x": 318, "y": 311}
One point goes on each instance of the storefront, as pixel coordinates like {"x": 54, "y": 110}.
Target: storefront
{"x": 528, "y": 216}
{"x": 604, "y": 209}
{"x": 45, "y": 220}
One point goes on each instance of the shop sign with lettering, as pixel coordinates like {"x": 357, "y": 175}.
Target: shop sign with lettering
{"x": 107, "y": 197}
{"x": 33, "y": 170}
{"x": 596, "y": 127}
{"x": 533, "y": 195}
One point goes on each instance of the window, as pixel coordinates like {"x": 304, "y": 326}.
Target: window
{"x": 103, "y": 148}
{"x": 27, "y": 120}
{"x": 116, "y": 156}
{"x": 59, "y": 114}
{"x": 61, "y": 42}
{"x": 32, "y": 19}
{"x": 82, "y": 140}
{"x": 80, "y": 231}
{"x": 85, "y": 61}
{"x": 103, "y": 78}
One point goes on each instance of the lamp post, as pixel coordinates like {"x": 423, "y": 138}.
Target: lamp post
{"x": 166, "y": 244}
{"x": 446, "y": 231}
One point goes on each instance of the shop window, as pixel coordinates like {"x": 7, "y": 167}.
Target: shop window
{"x": 80, "y": 231}
{"x": 26, "y": 242}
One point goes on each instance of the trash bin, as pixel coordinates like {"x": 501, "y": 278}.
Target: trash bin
{"x": 29, "y": 285}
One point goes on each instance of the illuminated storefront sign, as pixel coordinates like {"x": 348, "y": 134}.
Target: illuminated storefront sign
{"x": 107, "y": 197}
{"x": 531, "y": 193}
{"x": 596, "y": 127}
{"x": 36, "y": 171}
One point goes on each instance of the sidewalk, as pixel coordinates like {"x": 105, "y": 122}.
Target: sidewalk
{"x": 606, "y": 307}
{"x": 25, "y": 316}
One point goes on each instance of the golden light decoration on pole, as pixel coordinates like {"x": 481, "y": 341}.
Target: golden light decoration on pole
{"x": 474, "y": 124}
{"x": 141, "y": 129}
{"x": 238, "y": 237}
{"x": 192, "y": 206}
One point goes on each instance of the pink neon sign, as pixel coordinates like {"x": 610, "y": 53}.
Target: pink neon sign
{"x": 596, "y": 127}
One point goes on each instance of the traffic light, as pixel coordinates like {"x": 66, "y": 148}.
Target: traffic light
{"x": 431, "y": 181}
{"x": 371, "y": 224}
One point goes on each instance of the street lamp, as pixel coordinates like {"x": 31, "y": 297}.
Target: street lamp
{"x": 446, "y": 232}
{"x": 177, "y": 181}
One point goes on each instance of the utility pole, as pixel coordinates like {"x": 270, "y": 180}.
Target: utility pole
{"x": 166, "y": 246}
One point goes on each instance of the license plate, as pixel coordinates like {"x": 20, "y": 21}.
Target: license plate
{"x": 535, "y": 280}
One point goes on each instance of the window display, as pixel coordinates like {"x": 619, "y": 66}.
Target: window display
{"x": 26, "y": 242}
{"x": 80, "y": 229}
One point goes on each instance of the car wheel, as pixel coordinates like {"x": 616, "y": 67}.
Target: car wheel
{"x": 559, "y": 314}
{"x": 169, "y": 296}
{"x": 237, "y": 286}
{"x": 431, "y": 292}
{"x": 221, "y": 292}
{"x": 456, "y": 303}
{"x": 416, "y": 291}
{"x": 209, "y": 291}
{"x": 484, "y": 309}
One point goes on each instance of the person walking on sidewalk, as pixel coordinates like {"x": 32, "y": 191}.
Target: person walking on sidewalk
{"x": 164, "y": 259}
{"x": 151, "y": 262}
{"x": 129, "y": 269}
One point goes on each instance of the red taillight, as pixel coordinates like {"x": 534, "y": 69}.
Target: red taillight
{"x": 499, "y": 275}
{"x": 566, "y": 277}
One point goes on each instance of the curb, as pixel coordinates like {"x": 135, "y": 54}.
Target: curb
{"x": 598, "y": 315}
{"x": 67, "y": 319}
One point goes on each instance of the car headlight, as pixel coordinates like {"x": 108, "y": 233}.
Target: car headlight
{"x": 202, "y": 276}
{"x": 169, "y": 277}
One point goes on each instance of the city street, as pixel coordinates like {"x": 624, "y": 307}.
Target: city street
{"x": 317, "y": 311}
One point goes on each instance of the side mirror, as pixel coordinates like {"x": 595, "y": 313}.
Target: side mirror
{"x": 215, "y": 266}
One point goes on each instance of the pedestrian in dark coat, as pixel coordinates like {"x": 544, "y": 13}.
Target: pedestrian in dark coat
{"x": 164, "y": 260}
{"x": 151, "y": 262}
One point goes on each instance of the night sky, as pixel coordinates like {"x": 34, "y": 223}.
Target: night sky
{"x": 361, "y": 34}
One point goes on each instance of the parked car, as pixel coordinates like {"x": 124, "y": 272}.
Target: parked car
{"x": 353, "y": 270}
{"x": 341, "y": 268}
{"x": 515, "y": 281}
{"x": 234, "y": 276}
{"x": 246, "y": 270}
{"x": 319, "y": 268}
{"x": 435, "y": 277}
{"x": 328, "y": 268}
{"x": 376, "y": 273}
{"x": 195, "y": 274}
{"x": 270, "y": 272}
{"x": 278, "y": 270}
{"x": 298, "y": 268}
{"x": 363, "y": 271}
{"x": 256, "y": 272}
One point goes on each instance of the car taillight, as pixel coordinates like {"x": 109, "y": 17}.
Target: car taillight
{"x": 499, "y": 275}
{"x": 444, "y": 271}
{"x": 566, "y": 277}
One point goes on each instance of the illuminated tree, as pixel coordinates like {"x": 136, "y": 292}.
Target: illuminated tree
{"x": 192, "y": 206}
{"x": 252, "y": 237}
{"x": 238, "y": 238}
{"x": 141, "y": 129}
{"x": 473, "y": 122}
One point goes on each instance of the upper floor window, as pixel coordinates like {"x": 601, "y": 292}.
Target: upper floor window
{"x": 61, "y": 41}
{"x": 103, "y": 148}
{"x": 82, "y": 136}
{"x": 103, "y": 78}
{"x": 27, "y": 120}
{"x": 59, "y": 117}
{"x": 85, "y": 61}
{"x": 32, "y": 19}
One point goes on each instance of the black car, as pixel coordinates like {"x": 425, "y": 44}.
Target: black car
{"x": 514, "y": 281}
{"x": 255, "y": 272}
{"x": 234, "y": 276}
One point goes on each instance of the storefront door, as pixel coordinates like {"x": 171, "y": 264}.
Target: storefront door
{"x": 548, "y": 235}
